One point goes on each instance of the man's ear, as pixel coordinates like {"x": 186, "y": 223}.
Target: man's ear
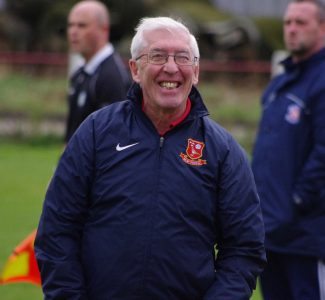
{"x": 323, "y": 29}
{"x": 195, "y": 79}
{"x": 134, "y": 70}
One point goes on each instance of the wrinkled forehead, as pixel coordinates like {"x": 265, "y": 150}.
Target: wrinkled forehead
{"x": 301, "y": 10}
{"x": 80, "y": 13}
{"x": 167, "y": 39}
{"x": 85, "y": 12}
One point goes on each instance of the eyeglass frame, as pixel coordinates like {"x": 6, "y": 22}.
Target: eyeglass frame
{"x": 193, "y": 61}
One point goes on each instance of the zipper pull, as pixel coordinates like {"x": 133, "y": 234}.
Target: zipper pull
{"x": 161, "y": 141}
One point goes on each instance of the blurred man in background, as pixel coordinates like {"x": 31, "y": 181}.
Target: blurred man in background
{"x": 103, "y": 78}
{"x": 289, "y": 161}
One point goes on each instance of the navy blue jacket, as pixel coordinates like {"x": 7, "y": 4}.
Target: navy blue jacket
{"x": 132, "y": 215}
{"x": 289, "y": 159}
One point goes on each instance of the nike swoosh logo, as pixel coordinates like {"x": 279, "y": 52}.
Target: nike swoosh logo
{"x": 121, "y": 148}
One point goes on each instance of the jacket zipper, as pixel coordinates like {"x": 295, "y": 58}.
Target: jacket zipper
{"x": 161, "y": 142}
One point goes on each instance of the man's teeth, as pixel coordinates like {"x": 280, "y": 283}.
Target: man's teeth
{"x": 169, "y": 85}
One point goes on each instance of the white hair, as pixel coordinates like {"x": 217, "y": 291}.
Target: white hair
{"x": 150, "y": 24}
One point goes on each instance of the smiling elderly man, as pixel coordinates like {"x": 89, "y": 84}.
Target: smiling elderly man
{"x": 147, "y": 189}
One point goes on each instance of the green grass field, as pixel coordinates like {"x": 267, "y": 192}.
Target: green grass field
{"x": 27, "y": 164}
{"x": 25, "y": 172}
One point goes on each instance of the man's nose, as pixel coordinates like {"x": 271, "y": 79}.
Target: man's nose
{"x": 170, "y": 64}
{"x": 291, "y": 27}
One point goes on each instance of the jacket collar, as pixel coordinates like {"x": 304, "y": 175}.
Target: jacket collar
{"x": 99, "y": 57}
{"x": 289, "y": 65}
{"x": 198, "y": 108}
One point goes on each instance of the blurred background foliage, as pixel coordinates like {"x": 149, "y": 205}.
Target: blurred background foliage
{"x": 40, "y": 25}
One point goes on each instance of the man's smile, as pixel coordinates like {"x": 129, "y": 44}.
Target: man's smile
{"x": 169, "y": 85}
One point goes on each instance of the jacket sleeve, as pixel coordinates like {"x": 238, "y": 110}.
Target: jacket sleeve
{"x": 240, "y": 247}
{"x": 309, "y": 186}
{"x": 58, "y": 239}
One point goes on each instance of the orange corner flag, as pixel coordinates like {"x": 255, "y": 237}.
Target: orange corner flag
{"x": 21, "y": 265}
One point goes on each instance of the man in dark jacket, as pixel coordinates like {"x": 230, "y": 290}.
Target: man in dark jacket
{"x": 289, "y": 161}
{"x": 103, "y": 78}
{"x": 151, "y": 198}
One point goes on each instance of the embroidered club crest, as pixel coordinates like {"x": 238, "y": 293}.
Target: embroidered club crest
{"x": 293, "y": 114}
{"x": 194, "y": 152}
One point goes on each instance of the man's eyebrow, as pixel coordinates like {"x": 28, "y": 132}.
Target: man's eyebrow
{"x": 77, "y": 23}
{"x": 164, "y": 50}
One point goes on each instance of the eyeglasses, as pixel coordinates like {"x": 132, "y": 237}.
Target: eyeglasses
{"x": 160, "y": 58}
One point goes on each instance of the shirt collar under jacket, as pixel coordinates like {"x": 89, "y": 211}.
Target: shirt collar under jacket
{"x": 99, "y": 57}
